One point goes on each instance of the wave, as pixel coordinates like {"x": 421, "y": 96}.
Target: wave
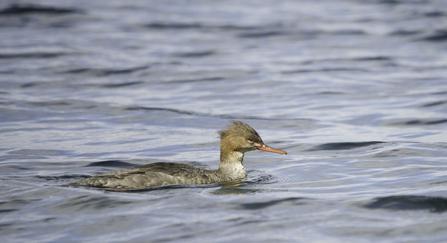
{"x": 23, "y": 9}
{"x": 343, "y": 146}
{"x": 405, "y": 202}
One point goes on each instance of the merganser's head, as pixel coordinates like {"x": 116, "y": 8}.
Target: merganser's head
{"x": 241, "y": 137}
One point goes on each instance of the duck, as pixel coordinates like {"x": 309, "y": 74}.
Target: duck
{"x": 237, "y": 139}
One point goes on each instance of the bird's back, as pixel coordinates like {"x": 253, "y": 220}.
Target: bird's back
{"x": 152, "y": 175}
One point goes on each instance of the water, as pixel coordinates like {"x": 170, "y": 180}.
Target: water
{"x": 355, "y": 91}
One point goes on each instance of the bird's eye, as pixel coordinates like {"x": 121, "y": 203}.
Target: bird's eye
{"x": 250, "y": 140}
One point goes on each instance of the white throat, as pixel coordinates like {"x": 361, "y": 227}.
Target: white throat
{"x": 233, "y": 166}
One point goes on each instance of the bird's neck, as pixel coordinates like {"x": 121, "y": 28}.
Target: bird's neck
{"x": 231, "y": 164}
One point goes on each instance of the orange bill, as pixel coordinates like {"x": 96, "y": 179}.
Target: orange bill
{"x": 270, "y": 149}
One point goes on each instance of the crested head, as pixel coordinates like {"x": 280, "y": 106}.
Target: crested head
{"x": 242, "y": 138}
{"x": 237, "y": 139}
{"x": 240, "y": 129}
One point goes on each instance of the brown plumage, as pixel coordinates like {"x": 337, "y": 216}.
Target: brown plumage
{"x": 237, "y": 139}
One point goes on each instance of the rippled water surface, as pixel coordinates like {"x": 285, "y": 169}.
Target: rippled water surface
{"x": 355, "y": 91}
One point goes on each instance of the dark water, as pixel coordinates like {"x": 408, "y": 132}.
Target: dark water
{"x": 355, "y": 91}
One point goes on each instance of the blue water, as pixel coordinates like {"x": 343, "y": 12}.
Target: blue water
{"x": 354, "y": 91}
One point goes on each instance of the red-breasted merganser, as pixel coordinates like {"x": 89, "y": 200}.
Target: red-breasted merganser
{"x": 237, "y": 139}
